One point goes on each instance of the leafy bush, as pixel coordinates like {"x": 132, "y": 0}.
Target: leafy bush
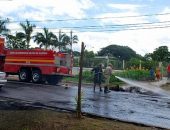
{"x": 134, "y": 74}
{"x": 114, "y": 80}
{"x": 87, "y": 76}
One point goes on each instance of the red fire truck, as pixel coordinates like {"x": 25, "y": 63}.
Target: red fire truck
{"x": 36, "y": 65}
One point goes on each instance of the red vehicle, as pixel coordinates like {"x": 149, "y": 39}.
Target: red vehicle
{"x": 36, "y": 65}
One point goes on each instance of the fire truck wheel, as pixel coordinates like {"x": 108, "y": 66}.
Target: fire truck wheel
{"x": 24, "y": 75}
{"x": 36, "y": 76}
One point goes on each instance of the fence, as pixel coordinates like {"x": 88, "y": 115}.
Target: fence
{"x": 91, "y": 62}
{"x": 121, "y": 64}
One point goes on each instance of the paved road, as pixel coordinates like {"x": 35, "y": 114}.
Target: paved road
{"x": 144, "y": 109}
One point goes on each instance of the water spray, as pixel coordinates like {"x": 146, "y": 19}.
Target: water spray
{"x": 147, "y": 86}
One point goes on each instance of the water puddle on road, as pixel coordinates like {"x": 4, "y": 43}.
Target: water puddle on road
{"x": 153, "y": 87}
{"x": 150, "y": 106}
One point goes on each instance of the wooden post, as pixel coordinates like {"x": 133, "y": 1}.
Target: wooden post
{"x": 140, "y": 66}
{"x": 123, "y": 64}
{"x": 80, "y": 79}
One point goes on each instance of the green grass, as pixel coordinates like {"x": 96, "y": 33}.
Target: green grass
{"x": 87, "y": 77}
{"x": 50, "y": 120}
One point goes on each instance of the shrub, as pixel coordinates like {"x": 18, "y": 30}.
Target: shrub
{"x": 134, "y": 74}
{"x": 87, "y": 76}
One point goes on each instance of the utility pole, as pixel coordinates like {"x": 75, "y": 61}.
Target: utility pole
{"x": 107, "y": 58}
{"x": 59, "y": 40}
{"x": 71, "y": 43}
{"x": 71, "y": 39}
{"x": 80, "y": 80}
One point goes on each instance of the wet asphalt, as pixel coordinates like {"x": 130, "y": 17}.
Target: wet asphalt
{"x": 152, "y": 110}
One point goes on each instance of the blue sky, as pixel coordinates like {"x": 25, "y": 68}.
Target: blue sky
{"x": 143, "y": 25}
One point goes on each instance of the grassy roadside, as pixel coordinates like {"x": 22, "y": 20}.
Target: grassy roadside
{"x": 50, "y": 120}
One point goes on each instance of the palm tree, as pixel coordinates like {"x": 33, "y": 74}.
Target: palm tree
{"x": 45, "y": 39}
{"x": 16, "y": 42}
{"x": 74, "y": 39}
{"x": 64, "y": 40}
{"x": 3, "y": 29}
{"x": 28, "y": 29}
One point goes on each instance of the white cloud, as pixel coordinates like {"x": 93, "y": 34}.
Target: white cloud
{"x": 122, "y": 18}
{"x": 164, "y": 17}
{"x": 34, "y": 15}
{"x": 94, "y": 40}
{"x": 9, "y": 6}
{"x": 125, "y": 6}
{"x": 14, "y": 27}
{"x": 46, "y": 8}
{"x": 73, "y": 8}
{"x": 141, "y": 41}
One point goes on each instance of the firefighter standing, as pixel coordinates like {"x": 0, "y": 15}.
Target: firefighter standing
{"x": 107, "y": 74}
{"x": 98, "y": 74}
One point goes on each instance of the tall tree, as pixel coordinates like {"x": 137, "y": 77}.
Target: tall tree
{"x": 16, "y": 41}
{"x": 89, "y": 54}
{"x": 76, "y": 53}
{"x": 148, "y": 56}
{"x": 45, "y": 39}
{"x": 120, "y": 52}
{"x": 161, "y": 54}
{"x": 88, "y": 58}
{"x": 64, "y": 40}
{"x": 73, "y": 39}
{"x": 3, "y": 28}
{"x": 28, "y": 29}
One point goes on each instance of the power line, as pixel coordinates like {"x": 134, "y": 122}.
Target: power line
{"x": 114, "y": 27}
{"x": 97, "y": 18}
{"x": 113, "y": 30}
{"x": 108, "y": 26}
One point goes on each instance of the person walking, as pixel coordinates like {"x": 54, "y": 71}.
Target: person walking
{"x": 98, "y": 75}
{"x": 152, "y": 74}
{"x": 158, "y": 73}
{"x": 107, "y": 74}
{"x": 168, "y": 71}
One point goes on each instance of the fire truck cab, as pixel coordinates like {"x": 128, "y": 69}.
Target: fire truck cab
{"x": 36, "y": 65}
